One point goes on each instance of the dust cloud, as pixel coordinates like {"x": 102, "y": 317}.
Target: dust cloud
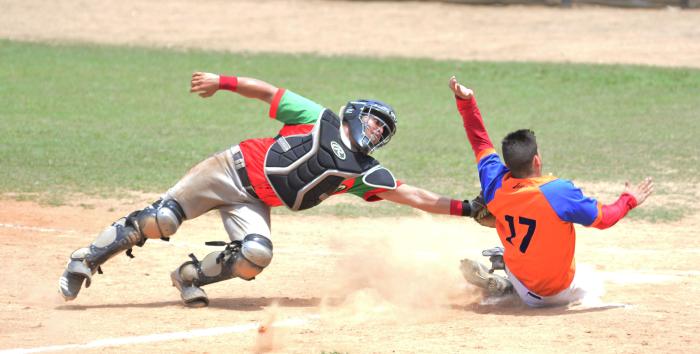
{"x": 392, "y": 278}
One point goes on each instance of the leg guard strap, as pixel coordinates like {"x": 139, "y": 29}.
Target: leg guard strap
{"x": 243, "y": 259}
{"x": 114, "y": 239}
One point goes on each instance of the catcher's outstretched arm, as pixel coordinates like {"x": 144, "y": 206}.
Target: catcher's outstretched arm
{"x": 206, "y": 85}
{"x": 418, "y": 198}
{"x": 434, "y": 203}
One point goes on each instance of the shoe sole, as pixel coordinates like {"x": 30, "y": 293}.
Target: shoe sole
{"x": 498, "y": 287}
{"x": 195, "y": 302}
{"x": 475, "y": 273}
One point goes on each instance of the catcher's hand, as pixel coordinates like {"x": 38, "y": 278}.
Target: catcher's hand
{"x": 480, "y": 213}
{"x": 204, "y": 84}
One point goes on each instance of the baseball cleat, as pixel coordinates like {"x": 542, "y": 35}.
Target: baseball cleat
{"x": 71, "y": 280}
{"x": 499, "y": 286}
{"x": 477, "y": 274}
{"x": 191, "y": 295}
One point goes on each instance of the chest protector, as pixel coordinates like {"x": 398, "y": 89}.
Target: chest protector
{"x": 303, "y": 170}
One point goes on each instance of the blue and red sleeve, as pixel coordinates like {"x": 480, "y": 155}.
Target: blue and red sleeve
{"x": 491, "y": 172}
{"x": 491, "y": 169}
{"x": 610, "y": 214}
{"x": 474, "y": 127}
{"x": 569, "y": 202}
{"x": 571, "y": 205}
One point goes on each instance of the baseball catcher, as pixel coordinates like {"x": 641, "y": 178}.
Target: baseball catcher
{"x": 315, "y": 155}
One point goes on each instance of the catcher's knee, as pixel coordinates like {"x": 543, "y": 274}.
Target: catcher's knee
{"x": 245, "y": 260}
{"x": 159, "y": 220}
{"x": 255, "y": 255}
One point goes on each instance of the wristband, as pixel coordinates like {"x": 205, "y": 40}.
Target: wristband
{"x": 228, "y": 83}
{"x": 460, "y": 207}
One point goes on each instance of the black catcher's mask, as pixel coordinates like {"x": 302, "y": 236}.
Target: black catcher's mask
{"x": 356, "y": 114}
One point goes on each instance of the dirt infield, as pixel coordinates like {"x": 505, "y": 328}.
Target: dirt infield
{"x": 347, "y": 285}
{"x": 669, "y": 37}
{"x": 386, "y": 285}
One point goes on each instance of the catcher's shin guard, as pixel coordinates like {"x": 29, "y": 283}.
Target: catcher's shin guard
{"x": 159, "y": 220}
{"x": 84, "y": 262}
{"x": 477, "y": 274}
{"x": 243, "y": 259}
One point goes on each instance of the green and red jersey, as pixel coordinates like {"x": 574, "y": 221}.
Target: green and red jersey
{"x": 299, "y": 115}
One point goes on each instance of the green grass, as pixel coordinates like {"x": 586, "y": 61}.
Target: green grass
{"x": 100, "y": 119}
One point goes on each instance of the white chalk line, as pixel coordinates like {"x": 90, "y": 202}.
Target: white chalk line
{"x": 620, "y": 277}
{"x": 37, "y": 229}
{"x": 186, "y": 244}
{"x": 619, "y": 250}
{"x": 163, "y": 337}
{"x": 635, "y": 277}
{"x": 161, "y": 243}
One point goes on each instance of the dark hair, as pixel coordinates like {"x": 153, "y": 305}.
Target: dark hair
{"x": 519, "y": 148}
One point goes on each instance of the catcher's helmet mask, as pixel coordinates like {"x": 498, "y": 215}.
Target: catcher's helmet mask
{"x": 354, "y": 113}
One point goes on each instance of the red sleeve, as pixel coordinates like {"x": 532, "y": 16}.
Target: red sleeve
{"x": 612, "y": 213}
{"x": 276, "y": 102}
{"x": 474, "y": 126}
{"x": 371, "y": 195}
{"x": 295, "y": 129}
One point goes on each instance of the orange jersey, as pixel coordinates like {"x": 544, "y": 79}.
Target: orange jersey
{"x": 534, "y": 220}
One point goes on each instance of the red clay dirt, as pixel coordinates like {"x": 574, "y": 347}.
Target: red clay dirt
{"x": 347, "y": 285}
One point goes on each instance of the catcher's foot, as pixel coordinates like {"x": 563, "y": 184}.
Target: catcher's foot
{"x": 477, "y": 274}
{"x": 191, "y": 295}
{"x": 71, "y": 280}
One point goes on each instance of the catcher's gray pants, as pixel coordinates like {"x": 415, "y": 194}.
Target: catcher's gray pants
{"x": 214, "y": 184}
